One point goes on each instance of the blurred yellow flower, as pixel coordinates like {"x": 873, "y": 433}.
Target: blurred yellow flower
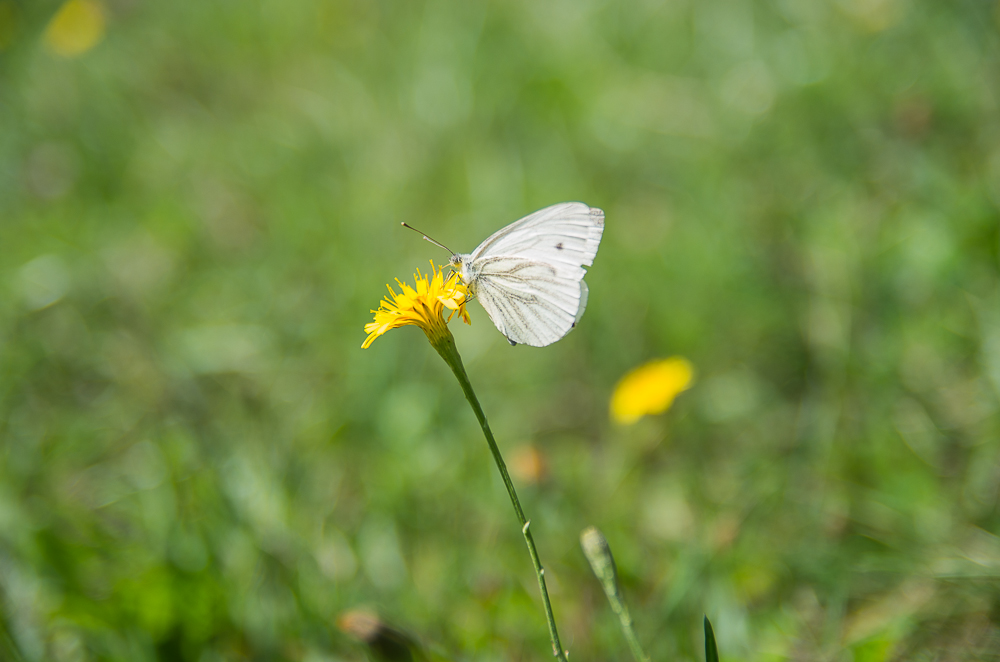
{"x": 650, "y": 388}
{"x": 77, "y": 27}
{"x": 423, "y": 306}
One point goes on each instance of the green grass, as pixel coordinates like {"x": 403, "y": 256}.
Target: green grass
{"x": 198, "y": 461}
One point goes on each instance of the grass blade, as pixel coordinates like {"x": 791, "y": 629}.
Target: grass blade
{"x": 711, "y": 651}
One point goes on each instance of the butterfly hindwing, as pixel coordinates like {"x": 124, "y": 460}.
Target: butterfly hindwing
{"x": 527, "y": 300}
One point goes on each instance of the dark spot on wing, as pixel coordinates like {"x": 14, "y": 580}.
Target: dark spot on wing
{"x": 512, "y": 343}
{"x": 559, "y": 246}
{"x": 573, "y": 325}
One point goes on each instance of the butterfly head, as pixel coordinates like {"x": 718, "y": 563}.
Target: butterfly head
{"x": 460, "y": 263}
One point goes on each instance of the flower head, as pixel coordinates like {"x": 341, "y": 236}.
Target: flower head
{"x": 78, "y": 26}
{"x": 650, "y": 389}
{"x": 421, "y": 306}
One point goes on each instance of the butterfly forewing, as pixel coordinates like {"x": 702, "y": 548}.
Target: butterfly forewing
{"x": 566, "y": 235}
{"x": 529, "y": 275}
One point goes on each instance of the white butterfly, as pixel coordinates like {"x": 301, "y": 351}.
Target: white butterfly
{"x": 529, "y": 275}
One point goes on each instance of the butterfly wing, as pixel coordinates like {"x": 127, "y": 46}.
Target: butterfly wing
{"x": 527, "y": 301}
{"x": 529, "y": 275}
{"x": 566, "y": 235}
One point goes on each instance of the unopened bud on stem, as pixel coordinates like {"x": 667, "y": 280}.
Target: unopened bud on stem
{"x": 598, "y": 552}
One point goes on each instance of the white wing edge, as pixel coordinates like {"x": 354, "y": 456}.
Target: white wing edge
{"x": 541, "y": 216}
{"x": 584, "y": 295}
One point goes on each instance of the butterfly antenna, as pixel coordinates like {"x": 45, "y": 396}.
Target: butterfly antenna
{"x": 436, "y": 243}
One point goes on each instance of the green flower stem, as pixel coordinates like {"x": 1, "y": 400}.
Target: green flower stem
{"x": 445, "y": 346}
{"x": 598, "y": 553}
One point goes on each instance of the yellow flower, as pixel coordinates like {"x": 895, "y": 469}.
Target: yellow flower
{"x": 76, "y": 28}
{"x": 650, "y": 388}
{"x": 423, "y": 306}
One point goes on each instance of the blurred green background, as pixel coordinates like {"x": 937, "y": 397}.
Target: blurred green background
{"x": 200, "y": 203}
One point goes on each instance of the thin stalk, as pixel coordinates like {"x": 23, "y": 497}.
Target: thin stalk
{"x": 598, "y": 553}
{"x": 626, "y": 623}
{"x": 449, "y": 352}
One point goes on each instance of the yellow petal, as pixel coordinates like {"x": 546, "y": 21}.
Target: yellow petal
{"x": 422, "y": 305}
{"x": 650, "y": 389}
{"x": 77, "y": 27}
